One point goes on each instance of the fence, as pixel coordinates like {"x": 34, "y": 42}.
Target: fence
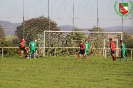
{"x": 105, "y": 53}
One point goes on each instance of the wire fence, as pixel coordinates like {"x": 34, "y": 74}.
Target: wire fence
{"x": 105, "y": 51}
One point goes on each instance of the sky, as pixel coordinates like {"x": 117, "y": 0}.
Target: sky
{"x": 62, "y": 12}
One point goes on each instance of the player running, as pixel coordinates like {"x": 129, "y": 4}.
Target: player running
{"x": 87, "y": 45}
{"x": 112, "y": 49}
{"x": 82, "y": 51}
{"x": 123, "y": 50}
{"x": 32, "y": 46}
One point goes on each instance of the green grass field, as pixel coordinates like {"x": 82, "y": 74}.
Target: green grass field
{"x": 65, "y": 72}
{"x": 10, "y": 37}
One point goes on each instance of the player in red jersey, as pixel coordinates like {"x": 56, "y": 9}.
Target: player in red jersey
{"x": 22, "y": 47}
{"x": 112, "y": 49}
{"x": 82, "y": 51}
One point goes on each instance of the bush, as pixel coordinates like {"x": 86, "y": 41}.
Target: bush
{"x": 8, "y": 51}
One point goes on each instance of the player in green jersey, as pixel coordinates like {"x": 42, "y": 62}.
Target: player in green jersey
{"x": 32, "y": 46}
{"x": 87, "y": 45}
{"x": 123, "y": 51}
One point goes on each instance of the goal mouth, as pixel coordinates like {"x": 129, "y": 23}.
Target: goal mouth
{"x": 67, "y": 42}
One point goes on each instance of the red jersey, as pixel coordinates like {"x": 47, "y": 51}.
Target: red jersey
{"x": 22, "y": 43}
{"x": 82, "y": 47}
{"x": 112, "y": 46}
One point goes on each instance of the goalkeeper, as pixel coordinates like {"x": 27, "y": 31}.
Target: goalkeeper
{"x": 123, "y": 50}
{"x": 87, "y": 45}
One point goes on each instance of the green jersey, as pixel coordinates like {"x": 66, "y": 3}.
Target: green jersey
{"x": 32, "y": 45}
{"x": 123, "y": 47}
{"x": 87, "y": 45}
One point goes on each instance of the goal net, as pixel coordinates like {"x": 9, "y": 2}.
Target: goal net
{"x": 57, "y": 43}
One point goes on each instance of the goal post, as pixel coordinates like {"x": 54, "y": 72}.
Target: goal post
{"x": 56, "y": 43}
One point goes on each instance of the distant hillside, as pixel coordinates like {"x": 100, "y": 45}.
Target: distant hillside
{"x": 9, "y": 28}
{"x": 127, "y": 29}
{"x": 66, "y": 28}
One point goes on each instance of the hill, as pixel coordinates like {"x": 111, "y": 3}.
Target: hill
{"x": 9, "y": 28}
{"x": 127, "y": 29}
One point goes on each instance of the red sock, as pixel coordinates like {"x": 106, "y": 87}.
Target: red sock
{"x": 85, "y": 57}
{"x": 78, "y": 56}
{"x": 20, "y": 53}
{"x": 114, "y": 58}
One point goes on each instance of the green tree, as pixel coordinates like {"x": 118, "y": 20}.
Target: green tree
{"x": 95, "y": 38}
{"x": 128, "y": 40}
{"x": 2, "y": 33}
{"x": 32, "y": 27}
{"x": 75, "y": 37}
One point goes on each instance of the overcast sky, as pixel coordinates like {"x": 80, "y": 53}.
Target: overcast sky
{"x": 61, "y": 11}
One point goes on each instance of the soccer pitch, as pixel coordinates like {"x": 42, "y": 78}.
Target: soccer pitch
{"x": 65, "y": 72}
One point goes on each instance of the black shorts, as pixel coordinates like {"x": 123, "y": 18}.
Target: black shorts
{"x": 112, "y": 52}
{"x": 82, "y": 52}
{"x": 22, "y": 48}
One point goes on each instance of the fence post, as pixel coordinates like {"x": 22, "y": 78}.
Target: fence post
{"x": 44, "y": 44}
{"x": 2, "y": 52}
{"x": 131, "y": 53}
{"x": 55, "y": 52}
{"x": 105, "y": 53}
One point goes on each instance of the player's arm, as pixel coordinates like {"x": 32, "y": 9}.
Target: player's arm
{"x": 21, "y": 43}
{"x": 83, "y": 46}
{"x": 121, "y": 47}
{"x": 88, "y": 46}
{"x": 29, "y": 45}
{"x": 110, "y": 46}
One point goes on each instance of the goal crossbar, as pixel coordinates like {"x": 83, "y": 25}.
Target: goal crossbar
{"x": 82, "y": 32}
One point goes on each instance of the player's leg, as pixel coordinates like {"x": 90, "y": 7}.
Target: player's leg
{"x": 37, "y": 55}
{"x": 84, "y": 55}
{"x": 121, "y": 56}
{"x": 30, "y": 54}
{"x": 113, "y": 55}
{"x": 124, "y": 52}
{"x": 25, "y": 50}
{"x": 34, "y": 54}
{"x": 21, "y": 52}
{"x": 79, "y": 54}
{"x": 114, "y": 58}
{"x": 86, "y": 52}
{"x": 125, "y": 58}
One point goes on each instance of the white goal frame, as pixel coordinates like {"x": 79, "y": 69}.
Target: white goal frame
{"x": 104, "y": 48}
